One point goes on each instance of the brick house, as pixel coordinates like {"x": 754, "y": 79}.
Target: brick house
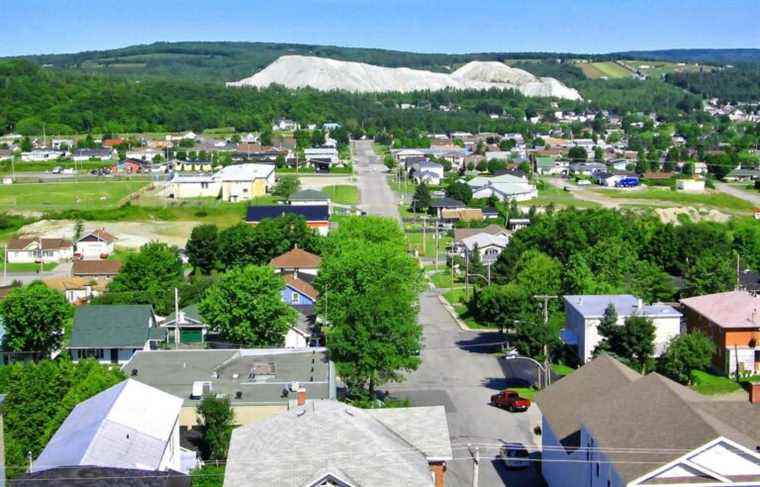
{"x": 732, "y": 321}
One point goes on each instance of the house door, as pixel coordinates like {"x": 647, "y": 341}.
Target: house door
{"x": 114, "y": 355}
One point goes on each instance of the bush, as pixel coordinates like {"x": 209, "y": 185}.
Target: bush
{"x": 216, "y": 419}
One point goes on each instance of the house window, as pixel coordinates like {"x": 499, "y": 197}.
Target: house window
{"x": 91, "y": 353}
{"x": 295, "y": 298}
{"x": 597, "y": 469}
{"x": 204, "y": 185}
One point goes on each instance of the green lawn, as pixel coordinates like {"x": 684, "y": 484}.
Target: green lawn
{"x": 342, "y": 194}
{"x": 551, "y": 194}
{"x": 21, "y": 167}
{"x": 561, "y": 369}
{"x": 30, "y": 267}
{"x": 708, "y": 198}
{"x": 608, "y": 69}
{"x": 709, "y": 384}
{"x": 414, "y": 242}
{"x": 525, "y": 392}
{"x": 442, "y": 278}
{"x": 68, "y": 195}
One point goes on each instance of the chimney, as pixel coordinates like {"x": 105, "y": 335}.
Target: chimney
{"x": 301, "y": 396}
{"x": 754, "y": 392}
{"x": 640, "y": 303}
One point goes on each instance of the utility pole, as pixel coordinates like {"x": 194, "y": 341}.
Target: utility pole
{"x": 547, "y": 370}
{"x": 738, "y": 273}
{"x": 436, "y": 245}
{"x": 424, "y": 240}
{"x": 5, "y": 264}
{"x": 177, "y": 334}
{"x": 475, "y": 452}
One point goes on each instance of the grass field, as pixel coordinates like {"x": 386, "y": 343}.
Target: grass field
{"x": 709, "y": 384}
{"x": 27, "y": 267}
{"x": 709, "y": 198}
{"x": 609, "y": 69}
{"x": 559, "y": 197}
{"x": 415, "y": 242}
{"x": 343, "y": 194}
{"x": 68, "y": 195}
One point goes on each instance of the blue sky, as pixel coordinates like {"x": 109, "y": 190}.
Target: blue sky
{"x": 587, "y": 26}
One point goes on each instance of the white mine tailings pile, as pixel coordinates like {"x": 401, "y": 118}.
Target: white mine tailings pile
{"x": 330, "y": 74}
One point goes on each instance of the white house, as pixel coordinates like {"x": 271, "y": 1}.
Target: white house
{"x": 97, "y": 244}
{"x": 62, "y": 144}
{"x": 130, "y": 425}
{"x": 82, "y": 155}
{"x": 28, "y": 250}
{"x": 426, "y": 171}
{"x": 238, "y": 182}
{"x": 285, "y": 125}
{"x": 606, "y": 425}
{"x": 41, "y": 155}
{"x": 489, "y": 246}
{"x": 505, "y": 187}
{"x": 690, "y": 185}
{"x": 583, "y": 314}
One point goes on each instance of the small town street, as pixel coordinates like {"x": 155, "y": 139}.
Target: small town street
{"x": 460, "y": 369}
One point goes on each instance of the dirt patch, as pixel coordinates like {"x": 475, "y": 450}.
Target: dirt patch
{"x": 129, "y": 235}
{"x": 676, "y": 215}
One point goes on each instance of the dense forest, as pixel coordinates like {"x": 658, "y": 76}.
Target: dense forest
{"x": 228, "y": 61}
{"x": 740, "y": 83}
{"x": 707, "y": 56}
{"x": 67, "y": 102}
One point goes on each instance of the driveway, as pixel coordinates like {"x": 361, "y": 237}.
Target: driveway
{"x": 753, "y": 198}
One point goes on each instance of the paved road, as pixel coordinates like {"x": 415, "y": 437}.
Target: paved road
{"x": 376, "y": 196}
{"x": 457, "y": 371}
{"x": 62, "y": 270}
{"x": 753, "y": 198}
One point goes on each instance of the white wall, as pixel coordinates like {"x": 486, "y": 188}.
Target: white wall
{"x": 293, "y": 339}
{"x": 172, "y": 457}
{"x": 93, "y": 250}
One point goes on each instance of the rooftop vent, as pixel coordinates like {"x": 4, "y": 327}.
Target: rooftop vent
{"x": 134, "y": 372}
{"x": 239, "y": 395}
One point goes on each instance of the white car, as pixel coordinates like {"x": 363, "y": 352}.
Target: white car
{"x": 515, "y": 455}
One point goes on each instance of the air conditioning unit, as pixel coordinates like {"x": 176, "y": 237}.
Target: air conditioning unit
{"x": 294, "y": 386}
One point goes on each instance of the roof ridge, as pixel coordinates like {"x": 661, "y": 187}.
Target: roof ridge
{"x": 123, "y": 385}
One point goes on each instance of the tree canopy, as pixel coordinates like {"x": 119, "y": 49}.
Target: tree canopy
{"x": 34, "y": 318}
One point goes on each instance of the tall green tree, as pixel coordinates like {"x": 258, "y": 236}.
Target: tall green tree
{"x": 368, "y": 295}
{"x": 421, "y": 199}
{"x": 203, "y": 248}
{"x": 286, "y": 186}
{"x": 148, "y": 277}
{"x": 606, "y": 328}
{"x": 245, "y": 307}
{"x": 632, "y": 342}
{"x": 34, "y": 318}
{"x": 459, "y": 190}
{"x": 216, "y": 419}
{"x": 685, "y": 354}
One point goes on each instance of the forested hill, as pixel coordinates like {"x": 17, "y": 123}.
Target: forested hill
{"x": 227, "y": 61}
{"x": 705, "y": 56}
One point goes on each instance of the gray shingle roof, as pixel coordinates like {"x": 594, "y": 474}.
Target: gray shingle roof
{"x": 562, "y": 401}
{"x": 111, "y": 326}
{"x": 308, "y": 195}
{"x": 593, "y": 306}
{"x": 174, "y": 371}
{"x": 656, "y": 413}
{"x": 330, "y": 438}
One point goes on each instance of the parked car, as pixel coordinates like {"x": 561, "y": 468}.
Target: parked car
{"x": 510, "y": 400}
{"x": 515, "y": 455}
{"x": 57, "y": 170}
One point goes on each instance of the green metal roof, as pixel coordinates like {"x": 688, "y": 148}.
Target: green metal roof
{"x": 112, "y": 326}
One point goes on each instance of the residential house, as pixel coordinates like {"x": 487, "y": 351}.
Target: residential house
{"x": 583, "y": 314}
{"x": 258, "y": 382}
{"x": 129, "y": 425}
{"x": 426, "y": 171}
{"x": 690, "y": 184}
{"x": 505, "y": 188}
{"x": 488, "y": 245}
{"x": 619, "y": 164}
{"x": 189, "y": 329}
{"x": 322, "y": 158}
{"x": 62, "y": 144}
{"x": 453, "y": 215}
{"x": 112, "y": 143}
{"x": 551, "y": 166}
{"x": 89, "y": 476}
{"x": 605, "y": 425}
{"x": 300, "y": 294}
{"x": 129, "y": 166}
{"x": 438, "y": 205}
{"x": 493, "y": 229}
{"x": 257, "y": 153}
{"x": 740, "y": 175}
{"x": 298, "y": 262}
{"x": 81, "y": 155}
{"x": 95, "y": 269}
{"x": 28, "y": 250}
{"x": 112, "y": 333}
{"x": 587, "y": 168}
{"x": 309, "y": 197}
{"x": 399, "y": 446}
{"x": 144, "y": 154}
{"x": 237, "y": 182}
{"x": 78, "y": 290}
{"x": 40, "y": 155}
{"x": 285, "y": 125}
{"x": 317, "y": 216}
{"x": 498, "y": 155}
{"x": 514, "y": 224}
{"x": 732, "y": 321}
{"x": 97, "y": 244}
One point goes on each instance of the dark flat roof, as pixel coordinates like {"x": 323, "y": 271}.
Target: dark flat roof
{"x": 308, "y": 212}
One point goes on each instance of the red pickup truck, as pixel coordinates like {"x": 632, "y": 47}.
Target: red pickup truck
{"x": 510, "y": 400}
